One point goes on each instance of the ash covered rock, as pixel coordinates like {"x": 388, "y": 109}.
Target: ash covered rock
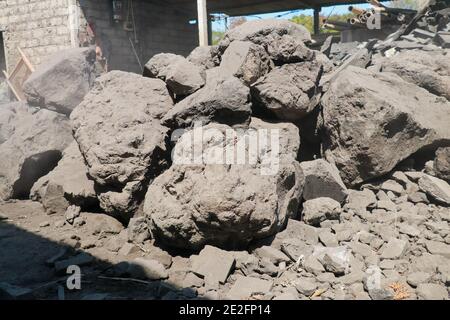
{"x": 224, "y": 205}
{"x": 61, "y": 82}
{"x": 34, "y": 144}
{"x": 367, "y": 115}
{"x": 120, "y": 136}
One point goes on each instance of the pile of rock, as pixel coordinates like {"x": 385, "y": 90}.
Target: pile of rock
{"x": 360, "y": 188}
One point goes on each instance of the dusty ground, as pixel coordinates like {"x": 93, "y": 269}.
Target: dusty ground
{"x": 29, "y": 237}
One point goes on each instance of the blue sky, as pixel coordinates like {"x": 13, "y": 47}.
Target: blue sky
{"x": 219, "y": 25}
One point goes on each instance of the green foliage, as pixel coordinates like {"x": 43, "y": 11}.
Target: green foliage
{"x": 404, "y": 4}
{"x": 304, "y": 20}
{"x": 308, "y": 21}
{"x": 217, "y": 36}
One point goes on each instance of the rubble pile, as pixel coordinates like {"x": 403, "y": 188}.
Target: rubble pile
{"x": 352, "y": 201}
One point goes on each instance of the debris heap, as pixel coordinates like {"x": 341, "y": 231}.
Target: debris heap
{"x": 357, "y": 181}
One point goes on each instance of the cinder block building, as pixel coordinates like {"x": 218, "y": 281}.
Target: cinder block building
{"x": 127, "y": 32}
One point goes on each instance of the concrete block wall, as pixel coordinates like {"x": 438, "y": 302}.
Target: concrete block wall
{"x": 159, "y": 28}
{"x": 41, "y": 28}
{"x": 38, "y": 27}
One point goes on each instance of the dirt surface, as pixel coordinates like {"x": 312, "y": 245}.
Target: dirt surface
{"x": 29, "y": 237}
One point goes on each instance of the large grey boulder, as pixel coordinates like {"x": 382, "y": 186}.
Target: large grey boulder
{"x": 181, "y": 76}
{"x": 223, "y": 99}
{"x": 427, "y": 69}
{"x": 205, "y": 57}
{"x": 245, "y": 60}
{"x": 9, "y": 114}
{"x": 120, "y": 136}
{"x": 184, "y": 78}
{"x": 199, "y": 201}
{"x": 288, "y": 49}
{"x": 67, "y": 184}
{"x": 32, "y": 150}
{"x": 442, "y": 164}
{"x": 290, "y": 92}
{"x": 61, "y": 82}
{"x": 367, "y": 115}
{"x": 322, "y": 179}
{"x": 265, "y": 32}
{"x": 159, "y": 65}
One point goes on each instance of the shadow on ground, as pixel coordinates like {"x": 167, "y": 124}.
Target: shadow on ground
{"x": 26, "y": 272}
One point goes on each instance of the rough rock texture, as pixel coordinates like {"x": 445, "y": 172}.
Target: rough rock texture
{"x": 441, "y": 164}
{"x": 223, "y": 100}
{"x": 291, "y": 92}
{"x": 223, "y": 205}
{"x": 265, "y": 32}
{"x": 320, "y": 209}
{"x": 245, "y": 60}
{"x": 368, "y": 115}
{"x": 159, "y": 65}
{"x": 205, "y": 57}
{"x": 32, "y": 150}
{"x": 120, "y": 137}
{"x": 184, "y": 78}
{"x": 427, "y": 69}
{"x": 288, "y": 49}
{"x": 322, "y": 180}
{"x": 10, "y": 113}
{"x": 435, "y": 188}
{"x": 61, "y": 82}
{"x": 68, "y": 181}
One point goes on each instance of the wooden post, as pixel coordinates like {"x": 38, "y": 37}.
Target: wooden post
{"x": 202, "y": 22}
{"x": 317, "y": 20}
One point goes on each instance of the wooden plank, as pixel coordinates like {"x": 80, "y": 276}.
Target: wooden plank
{"x": 202, "y": 21}
{"x": 11, "y": 86}
{"x": 19, "y": 75}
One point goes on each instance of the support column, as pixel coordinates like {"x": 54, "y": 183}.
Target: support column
{"x": 317, "y": 20}
{"x": 202, "y": 21}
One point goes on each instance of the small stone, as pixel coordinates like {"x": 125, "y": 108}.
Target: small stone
{"x": 334, "y": 264}
{"x": 416, "y": 278}
{"x": 387, "y": 205}
{"x": 394, "y": 249}
{"x": 274, "y": 255}
{"x": 147, "y": 268}
{"x": 432, "y": 291}
{"x": 440, "y": 248}
{"x": 392, "y": 185}
{"x": 213, "y": 263}
{"x": 312, "y": 265}
{"x": 44, "y": 224}
{"x": 305, "y": 286}
{"x": 245, "y": 287}
{"x": 437, "y": 189}
{"x": 418, "y": 197}
{"x": 320, "y": 209}
{"x": 328, "y": 239}
{"x": 78, "y": 222}
{"x": 381, "y": 294}
{"x": 72, "y": 212}
{"x": 191, "y": 280}
{"x": 138, "y": 230}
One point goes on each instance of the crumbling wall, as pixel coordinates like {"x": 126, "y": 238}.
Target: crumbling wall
{"x": 39, "y": 27}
